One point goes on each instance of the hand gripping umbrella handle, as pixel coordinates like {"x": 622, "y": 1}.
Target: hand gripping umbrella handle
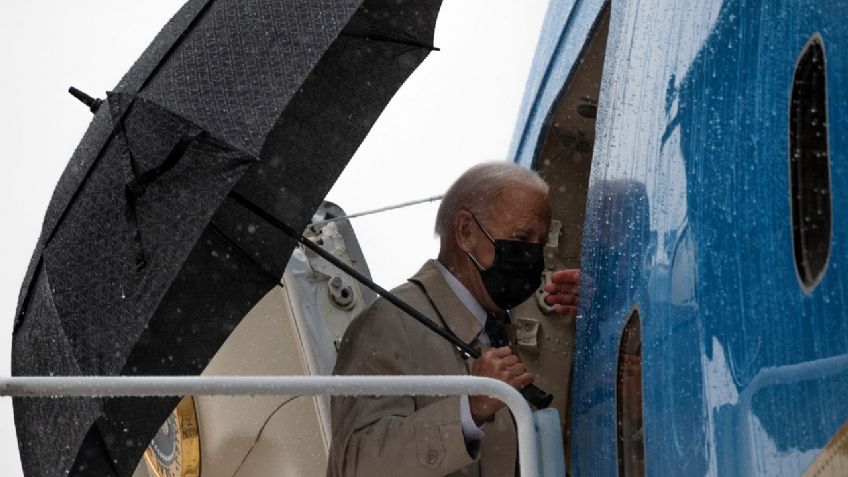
{"x": 531, "y": 392}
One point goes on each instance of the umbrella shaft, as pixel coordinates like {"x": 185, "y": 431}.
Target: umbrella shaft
{"x": 286, "y": 229}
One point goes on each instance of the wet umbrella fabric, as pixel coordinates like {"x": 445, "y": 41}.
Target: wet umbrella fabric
{"x": 145, "y": 263}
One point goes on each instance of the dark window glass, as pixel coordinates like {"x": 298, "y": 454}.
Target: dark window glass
{"x": 809, "y": 166}
{"x": 631, "y": 448}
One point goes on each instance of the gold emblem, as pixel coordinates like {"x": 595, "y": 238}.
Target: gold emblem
{"x": 175, "y": 450}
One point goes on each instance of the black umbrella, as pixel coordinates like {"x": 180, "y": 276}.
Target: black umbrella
{"x": 146, "y": 260}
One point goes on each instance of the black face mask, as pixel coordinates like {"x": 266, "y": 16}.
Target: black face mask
{"x": 516, "y": 272}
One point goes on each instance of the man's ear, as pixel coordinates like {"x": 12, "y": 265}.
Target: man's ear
{"x": 463, "y": 229}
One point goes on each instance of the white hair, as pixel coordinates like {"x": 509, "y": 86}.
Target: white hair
{"x": 478, "y": 188}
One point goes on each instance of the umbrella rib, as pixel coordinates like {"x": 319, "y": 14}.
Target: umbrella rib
{"x": 388, "y": 39}
{"x": 238, "y": 247}
{"x": 200, "y": 13}
{"x": 47, "y": 236}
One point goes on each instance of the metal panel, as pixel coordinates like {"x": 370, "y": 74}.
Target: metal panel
{"x": 695, "y": 114}
{"x": 689, "y": 219}
{"x": 564, "y": 34}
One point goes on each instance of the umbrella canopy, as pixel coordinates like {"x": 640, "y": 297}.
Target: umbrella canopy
{"x": 146, "y": 260}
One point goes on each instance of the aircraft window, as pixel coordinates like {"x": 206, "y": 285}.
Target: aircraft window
{"x": 631, "y": 449}
{"x": 809, "y": 166}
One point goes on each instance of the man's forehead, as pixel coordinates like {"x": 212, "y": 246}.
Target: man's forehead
{"x": 527, "y": 200}
{"x": 521, "y": 192}
{"x": 523, "y": 212}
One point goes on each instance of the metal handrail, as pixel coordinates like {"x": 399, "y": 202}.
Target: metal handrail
{"x": 99, "y": 386}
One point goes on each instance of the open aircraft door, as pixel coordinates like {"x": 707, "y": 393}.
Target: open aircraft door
{"x": 293, "y": 330}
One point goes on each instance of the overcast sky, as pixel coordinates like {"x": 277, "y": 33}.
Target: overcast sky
{"x": 457, "y": 109}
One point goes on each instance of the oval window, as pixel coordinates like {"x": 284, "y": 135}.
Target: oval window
{"x": 809, "y": 166}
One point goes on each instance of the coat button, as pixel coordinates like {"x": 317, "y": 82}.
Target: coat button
{"x": 432, "y": 456}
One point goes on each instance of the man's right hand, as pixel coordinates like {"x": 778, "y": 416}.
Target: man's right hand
{"x": 500, "y": 364}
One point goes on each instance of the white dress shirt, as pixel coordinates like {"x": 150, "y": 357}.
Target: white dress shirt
{"x": 470, "y": 430}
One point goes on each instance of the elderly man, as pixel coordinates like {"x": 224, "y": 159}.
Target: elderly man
{"x": 492, "y": 223}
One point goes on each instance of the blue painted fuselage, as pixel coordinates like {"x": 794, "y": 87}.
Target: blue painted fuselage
{"x": 689, "y": 221}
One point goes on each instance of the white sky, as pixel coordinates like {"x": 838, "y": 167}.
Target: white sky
{"x": 458, "y": 109}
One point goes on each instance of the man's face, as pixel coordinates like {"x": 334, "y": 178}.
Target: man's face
{"x": 520, "y": 214}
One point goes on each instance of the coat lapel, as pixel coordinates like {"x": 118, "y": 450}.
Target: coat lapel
{"x": 457, "y": 317}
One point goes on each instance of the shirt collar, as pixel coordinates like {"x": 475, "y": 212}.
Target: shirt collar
{"x": 462, "y": 293}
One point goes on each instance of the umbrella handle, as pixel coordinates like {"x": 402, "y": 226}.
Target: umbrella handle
{"x": 536, "y": 396}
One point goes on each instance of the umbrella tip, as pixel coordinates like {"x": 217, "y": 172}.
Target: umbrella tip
{"x": 92, "y": 103}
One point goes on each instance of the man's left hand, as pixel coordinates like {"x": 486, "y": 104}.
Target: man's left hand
{"x": 564, "y": 291}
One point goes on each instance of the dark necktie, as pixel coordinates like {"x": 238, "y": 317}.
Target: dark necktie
{"x": 495, "y": 332}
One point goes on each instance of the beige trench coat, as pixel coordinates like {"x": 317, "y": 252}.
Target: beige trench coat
{"x": 411, "y": 435}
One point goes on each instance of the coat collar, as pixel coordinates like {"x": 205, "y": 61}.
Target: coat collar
{"x": 457, "y": 317}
